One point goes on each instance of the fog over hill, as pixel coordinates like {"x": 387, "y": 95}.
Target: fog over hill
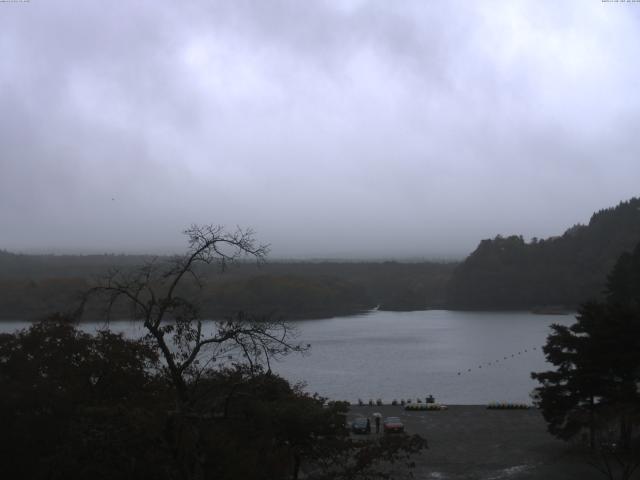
{"x": 505, "y": 272}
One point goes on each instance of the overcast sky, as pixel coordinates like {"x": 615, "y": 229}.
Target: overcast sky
{"x": 333, "y": 128}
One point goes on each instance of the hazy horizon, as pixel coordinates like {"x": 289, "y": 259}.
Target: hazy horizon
{"x": 168, "y": 251}
{"x": 335, "y": 129}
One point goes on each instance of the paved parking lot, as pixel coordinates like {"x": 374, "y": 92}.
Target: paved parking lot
{"x": 471, "y": 442}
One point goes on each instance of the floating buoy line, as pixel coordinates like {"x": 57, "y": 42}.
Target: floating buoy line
{"x": 493, "y": 363}
{"x": 497, "y": 361}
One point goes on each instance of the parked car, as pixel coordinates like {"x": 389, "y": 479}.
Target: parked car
{"x": 392, "y": 425}
{"x": 361, "y": 425}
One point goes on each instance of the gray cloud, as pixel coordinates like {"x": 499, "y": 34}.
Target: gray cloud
{"x": 357, "y": 128}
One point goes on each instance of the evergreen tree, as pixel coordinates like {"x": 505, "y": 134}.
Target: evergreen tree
{"x": 597, "y": 360}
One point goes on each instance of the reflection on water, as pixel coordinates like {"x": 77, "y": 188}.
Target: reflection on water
{"x": 459, "y": 357}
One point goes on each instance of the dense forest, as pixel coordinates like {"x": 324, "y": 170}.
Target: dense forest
{"x": 510, "y": 273}
{"x": 503, "y": 273}
{"x": 33, "y": 285}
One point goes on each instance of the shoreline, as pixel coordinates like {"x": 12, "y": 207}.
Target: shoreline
{"x": 324, "y": 315}
{"x": 473, "y": 442}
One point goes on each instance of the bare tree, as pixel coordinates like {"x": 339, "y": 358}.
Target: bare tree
{"x": 154, "y": 295}
{"x": 157, "y": 295}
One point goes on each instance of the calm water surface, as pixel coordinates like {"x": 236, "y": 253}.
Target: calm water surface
{"x": 459, "y": 357}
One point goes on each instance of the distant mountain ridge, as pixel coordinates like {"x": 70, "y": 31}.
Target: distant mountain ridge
{"x": 509, "y": 273}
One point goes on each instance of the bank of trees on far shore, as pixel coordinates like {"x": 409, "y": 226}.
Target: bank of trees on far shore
{"x": 502, "y": 273}
{"x": 294, "y": 290}
{"x": 511, "y": 273}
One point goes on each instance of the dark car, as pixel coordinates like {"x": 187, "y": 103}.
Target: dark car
{"x": 361, "y": 425}
{"x": 392, "y": 425}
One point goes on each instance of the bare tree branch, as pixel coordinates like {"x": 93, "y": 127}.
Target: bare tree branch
{"x": 174, "y": 323}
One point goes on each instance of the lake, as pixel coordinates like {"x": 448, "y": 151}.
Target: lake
{"x": 459, "y": 357}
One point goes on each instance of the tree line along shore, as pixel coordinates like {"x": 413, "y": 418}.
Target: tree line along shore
{"x": 506, "y": 272}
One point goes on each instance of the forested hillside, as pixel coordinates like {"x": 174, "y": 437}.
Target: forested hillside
{"x": 32, "y": 286}
{"x": 503, "y": 273}
{"x": 508, "y": 272}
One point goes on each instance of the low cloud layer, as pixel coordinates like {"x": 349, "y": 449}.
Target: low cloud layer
{"x": 334, "y": 129}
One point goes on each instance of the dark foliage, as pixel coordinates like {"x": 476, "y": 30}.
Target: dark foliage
{"x": 294, "y": 295}
{"x": 509, "y": 273}
{"x": 595, "y": 386}
{"x": 31, "y": 286}
{"x": 262, "y": 427}
{"x": 77, "y": 406}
